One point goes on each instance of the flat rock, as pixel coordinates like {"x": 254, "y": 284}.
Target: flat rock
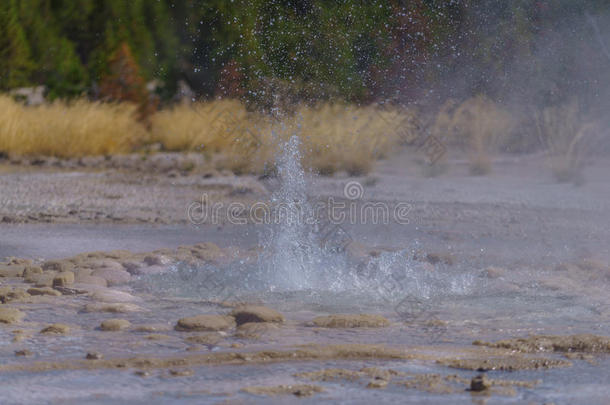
{"x": 58, "y": 265}
{"x": 205, "y": 323}
{"x": 8, "y": 294}
{"x": 10, "y": 315}
{"x": 43, "y": 291}
{"x": 157, "y": 260}
{"x": 351, "y": 321}
{"x": 92, "y": 280}
{"x": 30, "y": 272}
{"x": 56, "y": 329}
{"x": 113, "y": 308}
{"x": 254, "y": 330}
{"x": 256, "y": 313}
{"x": 63, "y": 279}
{"x": 12, "y": 270}
{"x": 113, "y": 325}
{"x": 103, "y": 264}
{"x": 112, "y": 276}
{"x": 45, "y": 279}
{"x": 110, "y": 295}
{"x": 480, "y": 383}
{"x": 132, "y": 266}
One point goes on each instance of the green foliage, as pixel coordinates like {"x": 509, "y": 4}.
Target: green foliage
{"x": 15, "y": 58}
{"x": 355, "y": 50}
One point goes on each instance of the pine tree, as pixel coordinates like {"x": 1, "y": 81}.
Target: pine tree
{"x": 123, "y": 82}
{"x": 15, "y": 62}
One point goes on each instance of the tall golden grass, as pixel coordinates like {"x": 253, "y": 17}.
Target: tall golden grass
{"x": 333, "y": 136}
{"x": 478, "y": 125}
{"x": 65, "y": 130}
{"x": 568, "y": 137}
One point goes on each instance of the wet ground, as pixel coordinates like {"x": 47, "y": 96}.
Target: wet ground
{"x": 487, "y": 258}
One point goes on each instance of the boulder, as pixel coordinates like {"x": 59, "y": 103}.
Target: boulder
{"x": 205, "y": 323}
{"x": 56, "y": 329}
{"x": 12, "y": 270}
{"x": 43, "y": 291}
{"x": 113, "y": 325}
{"x": 256, "y": 313}
{"x": 10, "y": 315}
{"x": 63, "y": 279}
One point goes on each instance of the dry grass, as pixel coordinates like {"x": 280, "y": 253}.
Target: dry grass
{"x": 334, "y": 136}
{"x": 478, "y": 125}
{"x": 568, "y": 138}
{"x": 341, "y": 137}
{"x": 63, "y": 130}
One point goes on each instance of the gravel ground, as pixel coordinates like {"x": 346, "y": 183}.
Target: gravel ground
{"x": 516, "y": 214}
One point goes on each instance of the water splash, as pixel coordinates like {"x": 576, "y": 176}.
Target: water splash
{"x": 292, "y": 252}
{"x": 295, "y": 263}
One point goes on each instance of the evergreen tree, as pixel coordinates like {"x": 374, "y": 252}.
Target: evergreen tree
{"x": 15, "y": 61}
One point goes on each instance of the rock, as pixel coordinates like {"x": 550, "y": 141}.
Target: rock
{"x": 156, "y": 336}
{"x": 24, "y": 353}
{"x": 92, "y": 280}
{"x": 63, "y": 279}
{"x": 45, "y": 279}
{"x": 56, "y": 329}
{"x": 256, "y": 313}
{"x": 181, "y": 373}
{"x": 71, "y": 291}
{"x": 479, "y": 383}
{"x": 205, "y": 323}
{"x": 10, "y": 315}
{"x": 132, "y": 266}
{"x": 30, "y": 272}
{"x": 584, "y": 343}
{"x": 113, "y": 325}
{"x": 351, "y": 321}
{"x": 211, "y": 338}
{"x": 109, "y": 264}
{"x": 112, "y": 276}
{"x": 254, "y": 330}
{"x": 11, "y": 270}
{"x": 43, "y": 291}
{"x": 157, "y": 260}
{"x": 109, "y": 295}
{"x": 19, "y": 261}
{"x": 377, "y": 384}
{"x": 94, "y": 356}
{"x": 142, "y": 373}
{"x": 57, "y": 265}
{"x": 113, "y": 308}
{"x": 8, "y": 294}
